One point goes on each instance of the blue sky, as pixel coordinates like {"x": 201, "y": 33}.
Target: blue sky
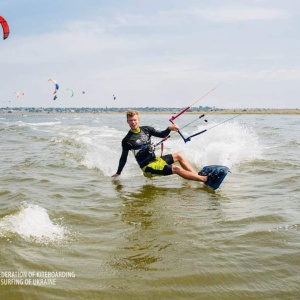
{"x": 151, "y": 53}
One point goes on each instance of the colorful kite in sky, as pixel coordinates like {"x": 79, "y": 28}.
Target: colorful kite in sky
{"x": 5, "y": 27}
{"x": 56, "y": 85}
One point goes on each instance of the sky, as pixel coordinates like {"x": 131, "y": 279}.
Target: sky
{"x": 151, "y": 53}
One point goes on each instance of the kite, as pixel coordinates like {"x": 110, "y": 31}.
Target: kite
{"x": 72, "y": 92}
{"x": 56, "y": 85}
{"x": 19, "y": 94}
{"x": 5, "y": 27}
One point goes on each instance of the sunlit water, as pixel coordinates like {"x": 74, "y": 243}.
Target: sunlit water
{"x": 136, "y": 238}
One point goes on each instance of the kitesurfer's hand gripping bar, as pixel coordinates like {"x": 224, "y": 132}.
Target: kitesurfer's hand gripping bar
{"x": 178, "y": 131}
{"x": 179, "y": 114}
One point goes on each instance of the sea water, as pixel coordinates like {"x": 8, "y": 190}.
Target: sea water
{"x": 70, "y": 231}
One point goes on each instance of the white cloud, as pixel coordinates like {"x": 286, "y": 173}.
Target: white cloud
{"x": 224, "y": 14}
{"x": 196, "y": 14}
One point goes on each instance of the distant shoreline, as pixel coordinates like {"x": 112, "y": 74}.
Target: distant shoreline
{"x": 237, "y": 111}
{"x": 264, "y": 111}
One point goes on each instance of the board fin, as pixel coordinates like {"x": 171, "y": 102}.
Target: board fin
{"x": 215, "y": 175}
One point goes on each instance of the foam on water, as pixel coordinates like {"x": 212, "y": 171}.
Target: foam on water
{"x": 99, "y": 147}
{"x": 102, "y": 148}
{"x": 32, "y": 223}
{"x": 228, "y": 144}
{"x": 44, "y": 123}
{"x": 23, "y": 124}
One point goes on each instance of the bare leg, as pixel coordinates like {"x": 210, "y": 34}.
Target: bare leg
{"x": 185, "y": 171}
{"x": 183, "y": 162}
{"x": 187, "y": 174}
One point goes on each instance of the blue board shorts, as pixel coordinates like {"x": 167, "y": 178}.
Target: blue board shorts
{"x": 161, "y": 166}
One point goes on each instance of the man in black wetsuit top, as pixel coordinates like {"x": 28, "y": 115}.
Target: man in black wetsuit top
{"x": 138, "y": 140}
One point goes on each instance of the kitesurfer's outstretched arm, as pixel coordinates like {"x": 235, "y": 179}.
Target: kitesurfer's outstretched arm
{"x": 122, "y": 162}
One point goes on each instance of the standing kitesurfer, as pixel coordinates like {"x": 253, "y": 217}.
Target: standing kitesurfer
{"x": 138, "y": 140}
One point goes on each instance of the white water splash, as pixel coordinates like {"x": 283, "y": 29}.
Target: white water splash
{"x": 33, "y": 223}
{"x": 102, "y": 149}
{"x": 229, "y": 144}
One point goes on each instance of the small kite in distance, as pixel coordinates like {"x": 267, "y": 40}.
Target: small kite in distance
{"x": 72, "y": 92}
{"x": 114, "y": 97}
{"x": 5, "y": 27}
{"x": 56, "y": 85}
{"x": 19, "y": 94}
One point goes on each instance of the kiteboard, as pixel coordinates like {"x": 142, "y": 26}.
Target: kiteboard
{"x": 215, "y": 175}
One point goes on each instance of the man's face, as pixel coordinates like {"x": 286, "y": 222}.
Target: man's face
{"x": 133, "y": 122}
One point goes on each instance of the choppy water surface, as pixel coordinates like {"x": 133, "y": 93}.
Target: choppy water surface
{"x": 71, "y": 232}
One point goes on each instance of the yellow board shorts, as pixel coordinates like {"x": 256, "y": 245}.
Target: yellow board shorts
{"x": 158, "y": 167}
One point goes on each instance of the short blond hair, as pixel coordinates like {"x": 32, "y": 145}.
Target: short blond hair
{"x": 131, "y": 113}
